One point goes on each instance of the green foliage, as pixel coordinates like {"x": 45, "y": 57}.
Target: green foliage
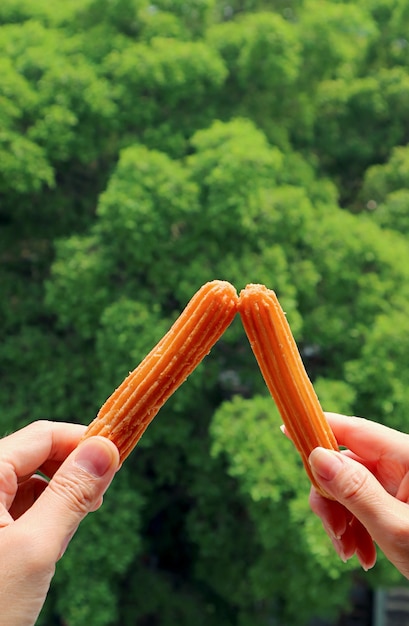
{"x": 270, "y": 43}
{"x": 335, "y": 395}
{"x": 23, "y": 165}
{"x": 394, "y": 212}
{"x": 118, "y": 16}
{"x": 164, "y": 89}
{"x": 146, "y": 183}
{"x": 79, "y": 272}
{"x": 42, "y": 10}
{"x": 233, "y": 163}
{"x": 196, "y": 15}
{"x": 336, "y": 40}
{"x": 382, "y": 179}
{"x": 384, "y": 367}
{"x": 359, "y": 279}
{"x": 144, "y": 150}
{"x": 349, "y": 111}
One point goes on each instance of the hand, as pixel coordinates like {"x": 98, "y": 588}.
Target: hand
{"x": 39, "y": 517}
{"x": 369, "y": 482}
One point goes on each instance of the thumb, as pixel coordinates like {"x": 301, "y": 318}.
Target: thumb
{"x": 353, "y": 485}
{"x": 76, "y": 489}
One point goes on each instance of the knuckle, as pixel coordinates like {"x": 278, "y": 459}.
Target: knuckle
{"x": 8, "y": 479}
{"x": 355, "y": 487}
{"x": 40, "y": 427}
{"x": 77, "y": 496}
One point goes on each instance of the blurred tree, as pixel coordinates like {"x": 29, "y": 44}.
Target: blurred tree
{"x": 335, "y": 41}
{"x": 358, "y": 123}
{"x": 384, "y": 193}
{"x": 164, "y": 90}
{"x": 262, "y": 54}
{"x": 383, "y": 366}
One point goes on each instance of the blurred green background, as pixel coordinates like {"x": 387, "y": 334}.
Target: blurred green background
{"x": 144, "y": 150}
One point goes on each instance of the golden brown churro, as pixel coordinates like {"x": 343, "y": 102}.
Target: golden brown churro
{"x": 281, "y": 365}
{"x": 133, "y": 405}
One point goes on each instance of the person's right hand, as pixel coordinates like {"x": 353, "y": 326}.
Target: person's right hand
{"x": 369, "y": 482}
{"x": 39, "y": 517}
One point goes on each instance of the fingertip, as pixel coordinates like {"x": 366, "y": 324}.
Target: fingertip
{"x": 333, "y": 515}
{"x": 365, "y": 546}
{"x": 285, "y": 432}
{"x": 325, "y": 464}
{"x": 97, "y": 456}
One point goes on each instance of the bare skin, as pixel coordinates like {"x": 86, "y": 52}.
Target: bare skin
{"x": 38, "y": 517}
{"x": 369, "y": 482}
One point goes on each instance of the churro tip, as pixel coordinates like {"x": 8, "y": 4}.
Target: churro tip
{"x": 254, "y": 288}
{"x": 223, "y": 286}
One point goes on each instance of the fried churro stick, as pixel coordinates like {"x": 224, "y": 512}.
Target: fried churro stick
{"x": 126, "y": 414}
{"x": 280, "y": 363}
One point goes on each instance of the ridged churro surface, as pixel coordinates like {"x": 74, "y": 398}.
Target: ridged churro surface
{"x": 132, "y": 406}
{"x": 281, "y": 365}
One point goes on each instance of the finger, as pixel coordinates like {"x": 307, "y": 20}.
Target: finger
{"x": 343, "y": 426}
{"x": 75, "y": 490}
{"x": 352, "y": 485}
{"x": 5, "y": 517}
{"x": 49, "y": 468}
{"x": 337, "y": 521}
{"x": 368, "y": 439}
{"x": 365, "y": 547}
{"x": 28, "y": 492}
{"x": 347, "y": 534}
{"x": 334, "y": 516}
{"x": 29, "y": 448}
{"x": 285, "y": 432}
{"x": 356, "y": 540}
{"x": 348, "y": 540}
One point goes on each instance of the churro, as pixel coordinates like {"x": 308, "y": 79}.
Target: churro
{"x": 125, "y": 415}
{"x": 282, "y": 368}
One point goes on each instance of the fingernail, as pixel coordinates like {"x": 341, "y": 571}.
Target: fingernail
{"x": 363, "y": 561}
{"x": 330, "y": 532}
{"x": 285, "y": 432}
{"x": 94, "y": 457}
{"x": 339, "y": 549}
{"x": 325, "y": 463}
